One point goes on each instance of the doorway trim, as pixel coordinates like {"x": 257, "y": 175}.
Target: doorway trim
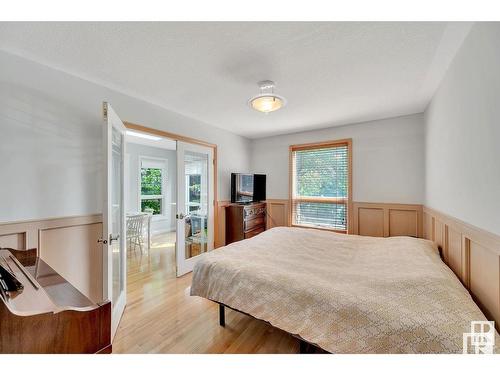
{"x": 182, "y": 138}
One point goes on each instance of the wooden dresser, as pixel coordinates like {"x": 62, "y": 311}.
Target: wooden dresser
{"x": 244, "y": 221}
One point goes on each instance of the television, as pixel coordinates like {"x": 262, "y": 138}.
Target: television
{"x": 248, "y": 188}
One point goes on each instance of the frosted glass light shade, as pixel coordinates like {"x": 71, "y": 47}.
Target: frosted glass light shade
{"x": 267, "y": 103}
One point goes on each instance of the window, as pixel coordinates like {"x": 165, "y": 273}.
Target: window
{"x": 193, "y": 193}
{"x": 321, "y": 185}
{"x": 152, "y": 186}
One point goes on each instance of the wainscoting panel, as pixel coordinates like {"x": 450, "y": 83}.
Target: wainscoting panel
{"x": 403, "y": 223}
{"x": 13, "y": 240}
{"x": 75, "y": 253}
{"x": 67, "y": 244}
{"x": 277, "y": 213}
{"x": 485, "y": 280}
{"x": 370, "y": 222}
{"x": 439, "y": 232}
{"x": 387, "y": 219}
{"x": 427, "y": 222}
{"x": 453, "y": 255}
{"x": 473, "y": 254}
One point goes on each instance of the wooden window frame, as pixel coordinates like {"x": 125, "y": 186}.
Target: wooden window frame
{"x": 347, "y": 201}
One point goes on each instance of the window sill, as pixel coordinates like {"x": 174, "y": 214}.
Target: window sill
{"x": 159, "y": 218}
{"x": 343, "y": 231}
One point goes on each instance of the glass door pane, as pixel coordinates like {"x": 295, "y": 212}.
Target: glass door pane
{"x": 116, "y": 214}
{"x": 195, "y": 204}
{"x": 196, "y": 196}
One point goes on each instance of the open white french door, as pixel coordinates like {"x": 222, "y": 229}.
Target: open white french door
{"x": 114, "y": 230}
{"x": 195, "y": 204}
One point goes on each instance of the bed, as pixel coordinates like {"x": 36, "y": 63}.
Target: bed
{"x": 343, "y": 293}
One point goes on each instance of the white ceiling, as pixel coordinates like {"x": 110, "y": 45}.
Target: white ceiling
{"x": 161, "y": 142}
{"x": 331, "y": 73}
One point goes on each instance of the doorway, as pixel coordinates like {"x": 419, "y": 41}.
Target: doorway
{"x": 150, "y": 204}
{"x": 196, "y": 203}
{"x": 171, "y": 190}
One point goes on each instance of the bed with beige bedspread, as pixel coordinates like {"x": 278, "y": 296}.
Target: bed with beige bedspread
{"x": 344, "y": 293}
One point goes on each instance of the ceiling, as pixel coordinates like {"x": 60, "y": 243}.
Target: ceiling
{"x": 331, "y": 73}
{"x": 154, "y": 141}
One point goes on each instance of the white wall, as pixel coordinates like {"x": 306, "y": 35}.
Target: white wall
{"x": 134, "y": 153}
{"x": 388, "y": 159}
{"x": 50, "y": 154}
{"x": 50, "y": 140}
{"x": 463, "y": 133}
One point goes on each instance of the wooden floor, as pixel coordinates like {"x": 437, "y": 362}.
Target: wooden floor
{"x": 161, "y": 316}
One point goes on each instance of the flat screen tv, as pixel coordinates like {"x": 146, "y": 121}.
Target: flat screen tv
{"x": 247, "y": 188}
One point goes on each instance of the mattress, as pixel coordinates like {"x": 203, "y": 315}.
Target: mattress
{"x": 343, "y": 293}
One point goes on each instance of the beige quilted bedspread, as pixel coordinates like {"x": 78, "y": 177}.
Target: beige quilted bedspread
{"x": 346, "y": 294}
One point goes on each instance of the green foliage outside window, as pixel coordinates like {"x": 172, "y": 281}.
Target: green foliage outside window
{"x": 151, "y": 181}
{"x": 322, "y": 173}
{"x": 194, "y": 188}
{"x": 154, "y": 204}
{"x": 151, "y": 185}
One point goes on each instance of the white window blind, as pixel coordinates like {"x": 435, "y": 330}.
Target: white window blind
{"x": 320, "y": 186}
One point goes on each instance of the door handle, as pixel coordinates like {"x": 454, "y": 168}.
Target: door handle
{"x": 180, "y": 216}
{"x": 113, "y": 238}
{"x": 100, "y": 240}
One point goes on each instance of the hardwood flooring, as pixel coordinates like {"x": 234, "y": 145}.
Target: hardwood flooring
{"x": 161, "y": 316}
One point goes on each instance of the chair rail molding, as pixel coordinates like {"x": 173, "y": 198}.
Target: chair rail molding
{"x": 387, "y": 219}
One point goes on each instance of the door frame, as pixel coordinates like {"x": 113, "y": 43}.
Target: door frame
{"x": 182, "y": 138}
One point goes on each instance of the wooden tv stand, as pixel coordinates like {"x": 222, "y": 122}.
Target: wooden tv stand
{"x": 244, "y": 221}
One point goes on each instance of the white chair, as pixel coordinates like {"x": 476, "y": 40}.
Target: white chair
{"x": 135, "y": 226}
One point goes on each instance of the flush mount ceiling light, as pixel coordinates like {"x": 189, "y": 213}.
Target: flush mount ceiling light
{"x": 267, "y": 101}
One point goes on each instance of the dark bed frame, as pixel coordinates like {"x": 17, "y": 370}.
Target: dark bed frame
{"x": 305, "y": 347}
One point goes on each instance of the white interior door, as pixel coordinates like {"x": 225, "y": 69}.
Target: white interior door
{"x": 195, "y": 204}
{"x": 114, "y": 230}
